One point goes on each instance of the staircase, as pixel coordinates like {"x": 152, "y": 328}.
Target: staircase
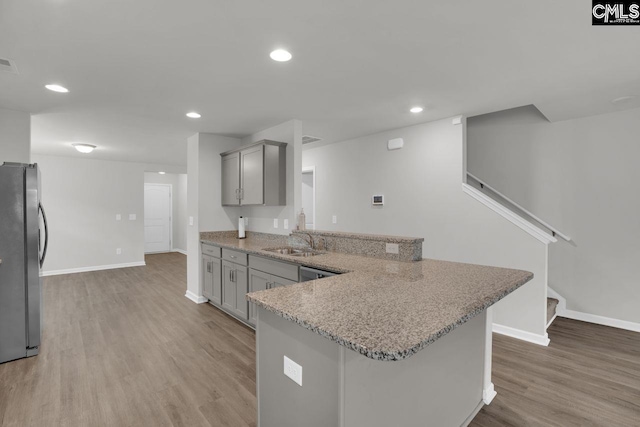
{"x": 552, "y": 305}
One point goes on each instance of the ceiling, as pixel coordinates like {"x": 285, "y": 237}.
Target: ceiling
{"x": 134, "y": 68}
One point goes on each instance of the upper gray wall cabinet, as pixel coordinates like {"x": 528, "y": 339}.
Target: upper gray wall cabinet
{"x": 255, "y": 175}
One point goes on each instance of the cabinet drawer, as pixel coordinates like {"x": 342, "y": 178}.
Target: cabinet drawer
{"x": 277, "y": 268}
{"x": 234, "y": 256}
{"x": 211, "y": 250}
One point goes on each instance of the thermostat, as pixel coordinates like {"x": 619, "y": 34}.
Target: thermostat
{"x": 377, "y": 200}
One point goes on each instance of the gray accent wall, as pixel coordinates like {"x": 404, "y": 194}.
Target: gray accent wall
{"x": 82, "y": 197}
{"x": 15, "y": 136}
{"x": 422, "y": 186}
{"x": 581, "y": 176}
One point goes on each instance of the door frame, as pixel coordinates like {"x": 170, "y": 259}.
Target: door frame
{"x": 170, "y": 216}
{"x": 312, "y": 170}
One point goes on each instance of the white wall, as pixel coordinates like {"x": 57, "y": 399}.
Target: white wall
{"x": 423, "y": 198}
{"x": 581, "y": 176}
{"x": 307, "y": 198}
{"x": 261, "y": 217}
{"x": 15, "y": 136}
{"x": 204, "y": 200}
{"x": 81, "y": 198}
{"x": 178, "y": 184}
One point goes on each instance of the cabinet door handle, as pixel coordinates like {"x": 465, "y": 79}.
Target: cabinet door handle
{"x": 208, "y": 266}
{"x": 237, "y": 194}
{"x": 233, "y": 276}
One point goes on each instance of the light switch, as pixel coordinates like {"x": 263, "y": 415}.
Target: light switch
{"x": 275, "y": 222}
{"x": 293, "y": 370}
{"x": 191, "y": 221}
{"x": 285, "y": 224}
{"x": 118, "y": 217}
{"x": 132, "y": 217}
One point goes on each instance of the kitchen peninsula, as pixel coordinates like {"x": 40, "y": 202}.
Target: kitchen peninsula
{"x": 388, "y": 342}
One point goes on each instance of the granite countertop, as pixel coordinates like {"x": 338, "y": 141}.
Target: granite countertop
{"x": 385, "y": 310}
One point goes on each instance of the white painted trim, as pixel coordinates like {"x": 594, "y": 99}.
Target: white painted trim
{"x": 182, "y": 251}
{"x": 93, "y": 268}
{"x": 195, "y": 298}
{"x": 552, "y": 319}
{"x": 488, "y": 394}
{"x": 312, "y": 170}
{"x": 508, "y": 214}
{"x": 521, "y": 335}
{"x": 600, "y": 320}
{"x": 564, "y": 236}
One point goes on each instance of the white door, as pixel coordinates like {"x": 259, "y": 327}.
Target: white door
{"x": 157, "y": 218}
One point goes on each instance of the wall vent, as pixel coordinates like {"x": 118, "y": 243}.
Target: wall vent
{"x": 307, "y": 139}
{"x": 8, "y": 65}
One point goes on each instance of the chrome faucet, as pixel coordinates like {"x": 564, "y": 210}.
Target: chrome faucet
{"x": 310, "y": 241}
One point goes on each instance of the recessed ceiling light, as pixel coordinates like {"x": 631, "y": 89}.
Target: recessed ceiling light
{"x": 161, "y": 173}
{"x": 416, "y": 110}
{"x": 84, "y": 148}
{"x": 280, "y": 55}
{"x": 57, "y": 88}
{"x": 193, "y": 115}
{"x": 622, "y": 99}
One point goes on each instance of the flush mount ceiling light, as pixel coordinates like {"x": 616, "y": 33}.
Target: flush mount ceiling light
{"x": 280, "y": 55}
{"x": 622, "y": 99}
{"x": 416, "y": 110}
{"x": 161, "y": 173}
{"x": 57, "y": 88}
{"x": 193, "y": 115}
{"x": 84, "y": 148}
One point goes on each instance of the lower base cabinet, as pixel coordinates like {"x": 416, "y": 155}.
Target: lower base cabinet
{"x": 211, "y": 279}
{"x": 259, "y": 281}
{"x": 234, "y": 289}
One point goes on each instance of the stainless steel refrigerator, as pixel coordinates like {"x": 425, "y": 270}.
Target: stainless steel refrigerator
{"x": 22, "y": 251}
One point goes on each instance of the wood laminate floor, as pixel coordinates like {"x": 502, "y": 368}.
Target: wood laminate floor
{"x": 126, "y": 348}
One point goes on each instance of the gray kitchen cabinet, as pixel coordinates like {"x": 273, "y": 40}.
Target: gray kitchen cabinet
{"x": 234, "y": 289}
{"x": 231, "y": 179}
{"x": 255, "y": 175}
{"x": 211, "y": 276}
{"x": 262, "y": 277}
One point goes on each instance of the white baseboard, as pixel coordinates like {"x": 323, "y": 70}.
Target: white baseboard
{"x": 600, "y": 320}
{"x": 93, "y": 268}
{"x": 521, "y": 335}
{"x": 195, "y": 298}
{"x": 182, "y": 251}
{"x": 488, "y": 394}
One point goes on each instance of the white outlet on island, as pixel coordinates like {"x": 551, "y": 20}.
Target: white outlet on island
{"x": 293, "y": 370}
{"x": 393, "y": 248}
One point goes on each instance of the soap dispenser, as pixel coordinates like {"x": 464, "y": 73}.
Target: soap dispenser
{"x": 302, "y": 220}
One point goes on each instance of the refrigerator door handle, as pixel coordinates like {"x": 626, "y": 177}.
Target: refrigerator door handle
{"x": 46, "y": 234}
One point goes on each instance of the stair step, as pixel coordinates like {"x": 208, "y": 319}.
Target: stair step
{"x": 552, "y": 303}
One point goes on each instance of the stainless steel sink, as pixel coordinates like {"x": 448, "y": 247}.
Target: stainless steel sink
{"x": 293, "y": 251}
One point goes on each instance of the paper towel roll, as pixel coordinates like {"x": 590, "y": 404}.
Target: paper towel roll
{"x": 241, "y": 228}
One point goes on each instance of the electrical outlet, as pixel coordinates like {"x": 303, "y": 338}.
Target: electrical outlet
{"x": 393, "y": 248}
{"x": 293, "y": 370}
{"x": 118, "y": 251}
{"x": 275, "y": 222}
{"x": 132, "y": 217}
{"x": 285, "y": 224}
{"x": 335, "y": 219}
{"x": 246, "y": 221}
{"x": 191, "y": 221}
{"x": 118, "y": 217}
